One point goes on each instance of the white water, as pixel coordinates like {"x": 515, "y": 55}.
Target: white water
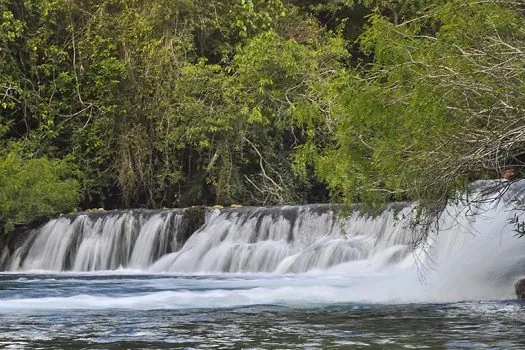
{"x": 97, "y": 242}
{"x": 298, "y": 254}
{"x": 285, "y": 240}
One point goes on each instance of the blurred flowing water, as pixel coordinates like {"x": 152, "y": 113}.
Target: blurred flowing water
{"x": 312, "y": 276}
{"x": 120, "y": 311}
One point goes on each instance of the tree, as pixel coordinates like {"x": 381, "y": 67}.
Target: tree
{"x": 435, "y": 110}
{"x": 34, "y": 187}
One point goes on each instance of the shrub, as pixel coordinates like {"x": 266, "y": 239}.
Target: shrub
{"x": 34, "y": 187}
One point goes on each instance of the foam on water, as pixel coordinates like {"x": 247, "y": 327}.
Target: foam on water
{"x": 209, "y": 292}
{"x": 285, "y": 296}
{"x": 291, "y": 255}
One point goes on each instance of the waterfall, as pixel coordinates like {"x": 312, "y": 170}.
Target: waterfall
{"x": 102, "y": 241}
{"x": 288, "y": 239}
{"x": 473, "y": 242}
{"x": 285, "y": 239}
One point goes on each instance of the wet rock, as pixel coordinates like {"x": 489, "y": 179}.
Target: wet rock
{"x": 520, "y": 289}
{"x": 193, "y": 219}
{"x": 13, "y": 239}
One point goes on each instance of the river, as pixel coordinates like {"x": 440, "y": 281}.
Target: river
{"x": 279, "y": 277}
{"x": 119, "y": 311}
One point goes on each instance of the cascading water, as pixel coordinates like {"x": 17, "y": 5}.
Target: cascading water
{"x": 289, "y": 239}
{"x": 277, "y": 239}
{"x": 102, "y": 241}
{"x": 473, "y": 254}
{"x": 311, "y": 276}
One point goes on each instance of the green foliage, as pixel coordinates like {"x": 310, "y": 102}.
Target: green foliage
{"x": 182, "y": 102}
{"x": 256, "y": 15}
{"x": 34, "y": 187}
{"x": 433, "y": 111}
{"x": 280, "y": 88}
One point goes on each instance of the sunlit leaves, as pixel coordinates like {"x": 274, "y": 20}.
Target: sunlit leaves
{"x": 33, "y": 187}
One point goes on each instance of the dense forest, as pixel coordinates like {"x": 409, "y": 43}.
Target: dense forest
{"x": 163, "y": 103}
